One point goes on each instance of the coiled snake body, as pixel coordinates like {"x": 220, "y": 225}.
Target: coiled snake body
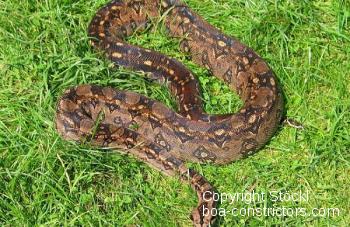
{"x": 148, "y": 129}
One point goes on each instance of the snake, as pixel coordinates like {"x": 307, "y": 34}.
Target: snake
{"x": 147, "y": 129}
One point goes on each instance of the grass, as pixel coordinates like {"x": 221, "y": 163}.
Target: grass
{"x": 47, "y": 181}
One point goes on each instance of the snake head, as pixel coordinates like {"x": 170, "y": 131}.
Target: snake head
{"x": 202, "y": 215}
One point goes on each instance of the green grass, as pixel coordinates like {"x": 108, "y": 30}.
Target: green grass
{"x": 47, "y": 181}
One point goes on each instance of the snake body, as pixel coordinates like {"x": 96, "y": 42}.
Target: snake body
{"x": 148, "y": 129}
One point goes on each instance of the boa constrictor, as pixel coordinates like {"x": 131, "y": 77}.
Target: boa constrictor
{"x": 148, "y": 129}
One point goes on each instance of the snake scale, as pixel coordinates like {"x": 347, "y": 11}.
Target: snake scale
{"x": 146, "y": 128}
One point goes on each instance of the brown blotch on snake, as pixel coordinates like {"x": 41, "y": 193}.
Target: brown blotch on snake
{"x": 148, "y": 129}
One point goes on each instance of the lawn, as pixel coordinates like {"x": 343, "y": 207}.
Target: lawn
{"x": 45, "y": 180}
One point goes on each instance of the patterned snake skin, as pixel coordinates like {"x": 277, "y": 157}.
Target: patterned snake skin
{"x": 148, "y": 129}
